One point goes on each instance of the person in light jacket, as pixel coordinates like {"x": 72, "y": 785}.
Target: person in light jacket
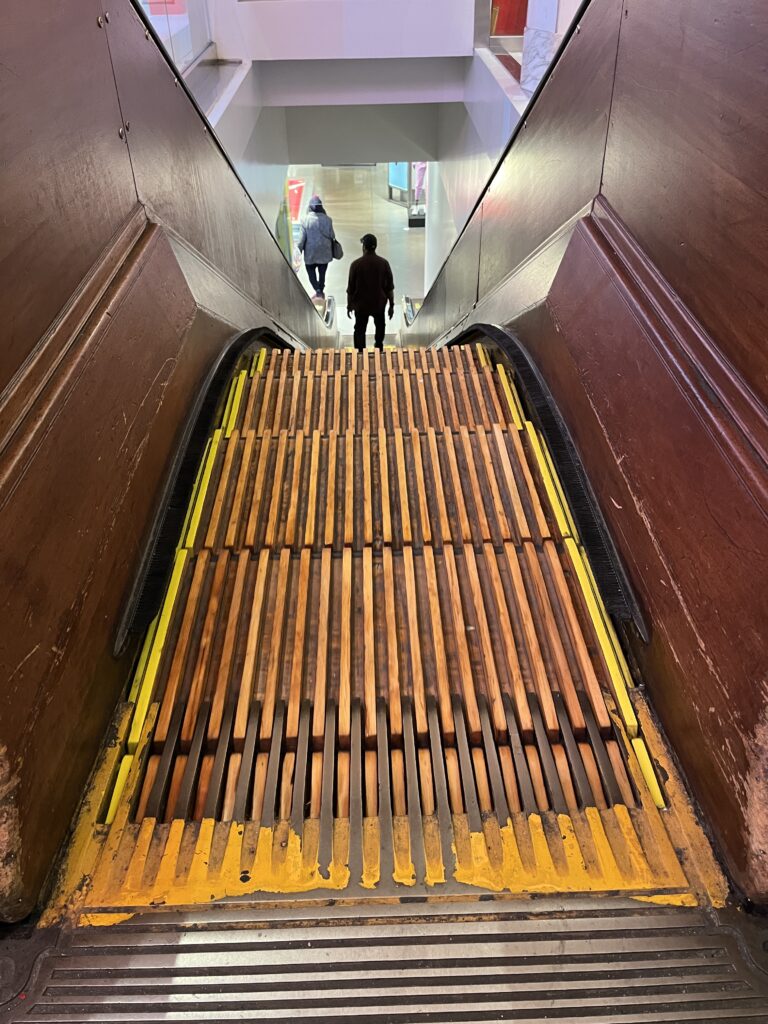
{"x": 316, "y": 243}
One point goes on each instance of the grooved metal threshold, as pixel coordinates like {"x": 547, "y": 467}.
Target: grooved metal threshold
{"x": 598, "y": 960}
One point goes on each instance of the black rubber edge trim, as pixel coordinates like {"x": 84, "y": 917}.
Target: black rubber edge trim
{"x": 156, "y": 561}
{"x": 610, "y": 574}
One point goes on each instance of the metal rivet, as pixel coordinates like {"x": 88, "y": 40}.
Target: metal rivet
{"x": 121, "y": 133}
{"x": 106, "y": 16}
{"x": 175, "y": 81}
{"x": 127, "y": 126}
{"x": 146, "y": 33}
{"x": 100, "y": 21}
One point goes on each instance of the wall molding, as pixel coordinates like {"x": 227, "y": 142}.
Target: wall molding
{"x": 730, "y": 410}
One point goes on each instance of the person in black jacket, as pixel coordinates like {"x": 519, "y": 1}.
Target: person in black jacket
{"x": 370, "y": 287}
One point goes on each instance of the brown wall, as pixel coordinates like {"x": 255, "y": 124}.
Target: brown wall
{"x": 623, "y": 238}
{"x": 125, "y": 266}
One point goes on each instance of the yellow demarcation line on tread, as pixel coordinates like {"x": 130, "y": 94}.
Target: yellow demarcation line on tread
{"x": 555, "y": 495}
{"x": 228, "y": 404}
{"x": 484, "y": 360}
{"x": 620, "y": 659}
{"x": 117, "y": 792}
{"x": 235, "y": 405}
{"x": 599, "y": 618}
{"x": 143, "y": 658}
{"x": 649, "y": 774}
{"x": 205, "y": 479}
{"x": 153, "y": 662}
{"x": 547, "y": 456}
{"x": 193, "y": 495}
{"x": 511, "y": 395}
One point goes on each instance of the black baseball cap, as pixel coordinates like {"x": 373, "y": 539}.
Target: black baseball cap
{"x": 369, "y": 241}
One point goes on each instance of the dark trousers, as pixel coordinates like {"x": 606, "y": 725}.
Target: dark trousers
{"x": 361, "y": 325}
{"x": 316, "y": 275}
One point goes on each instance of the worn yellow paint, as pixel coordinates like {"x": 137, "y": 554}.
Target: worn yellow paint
{"x": 483, "y": 355}
{"x": 202, "y": 489}
{"x": 559, "y": 487}
{"x": 511, "y": 395}
{"x": 141, "y": 665}
{"x": 556, "y": 500}
{"x": 153, "y": 662}
{"x": 193, "y": 495}
{"x": 669, "y": 899}
{"x": 100, "y": 920}
{"x": 234, "y": 408}
{"x": 228, "y": 403}
{"x": 596, "y": 613}
{"x": 117, "y": 792}
{"x": 621, "y": 661}
{"x": 649, "y": 773}
{"x": 259, "y": 360}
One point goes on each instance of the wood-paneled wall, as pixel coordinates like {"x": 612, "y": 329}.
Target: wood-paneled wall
{"x": 129, "y": 256}
{"x": 623, "y": 238}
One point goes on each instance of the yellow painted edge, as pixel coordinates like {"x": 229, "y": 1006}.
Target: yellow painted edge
{"x": 550, "y": 487}
{"x": 484, "y": 360}
{"x": 597, "y": 615}
{"x": 95, "y": 920}
{"x": 228, "y": 405}
{"x": 143, "y": 658}
{"x": 235, "y": 407}
{"x": 669, "y": 899}
{"x": 205, "y": 479}
{"x": 117, "y": 792}
{"x": 512, "y": 400}
{"x": 148, "y": 682}
{"x": 563, "y": 500}
{"x": 622, "y": 661}
{"x": 649, "y": 774}
{"x": 261, "y": 360}
{"x": 193, "y": 495}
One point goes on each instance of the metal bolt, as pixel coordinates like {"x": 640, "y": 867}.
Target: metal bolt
{"x": 127, "y": 126}
{"x": 100, "y": 21}
{"x": 146, "y": 33}
{"x": 106, "y": 16}
{"x": 121, "y": 133}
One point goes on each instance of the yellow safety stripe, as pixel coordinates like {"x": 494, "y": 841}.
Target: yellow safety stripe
{"x": 553, "y": 493}
{"x": 563, "y": 500}
{"x": 260, "y": 359}
{"x": 620, "y": 659}
{"x": 484, "y": 360}
{"x": 596, "y": 613}
{"x": 205, "y": 479}
{"x": 153, "y": 662}
{"x": 235, "y": 404}
{"x": 228, "y": 403}
{"x": 143, "y": 658}
{"x": 649, "y": 774}
{"x": 117, "y": 792}
{"x": 511, "y": 395}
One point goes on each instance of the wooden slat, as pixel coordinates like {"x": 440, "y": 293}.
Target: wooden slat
{"x": 314, "y": 462}
{"x": 439, "y": 490}
{"x": 276, "y": 498}
{"x": 253, "y": 641}
{"x": 295, "y": 692}
{"x": 274, "y": 665}
{"x": 219, "y": 695}
{"x": 442, "y": 681}
{"x": 402, "y": 487}
{"x": 321, "y": 664}
{"x": 460, "y": 635}
{"x": 242, "y": 478}
{"x": 417, "y": 673}
{"x": 259, "y": 490}
{"x": 393, "y": 656}
{"x": 465, "y": 532}
{"x": 386, "y": 516}
{"x": 222, "y": 490}
{"x": 295, "y": 496}
{"x": 369, "y": 660}
{"x": 330, "y": 494}
{"x": 541, "y": 683}
{"x": 345, "y": 664}
{"x": 204, "y": 650}
{"x": 421, "y": 488}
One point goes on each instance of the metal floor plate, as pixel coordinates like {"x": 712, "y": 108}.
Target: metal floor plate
{"x": 575, "y": 961}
